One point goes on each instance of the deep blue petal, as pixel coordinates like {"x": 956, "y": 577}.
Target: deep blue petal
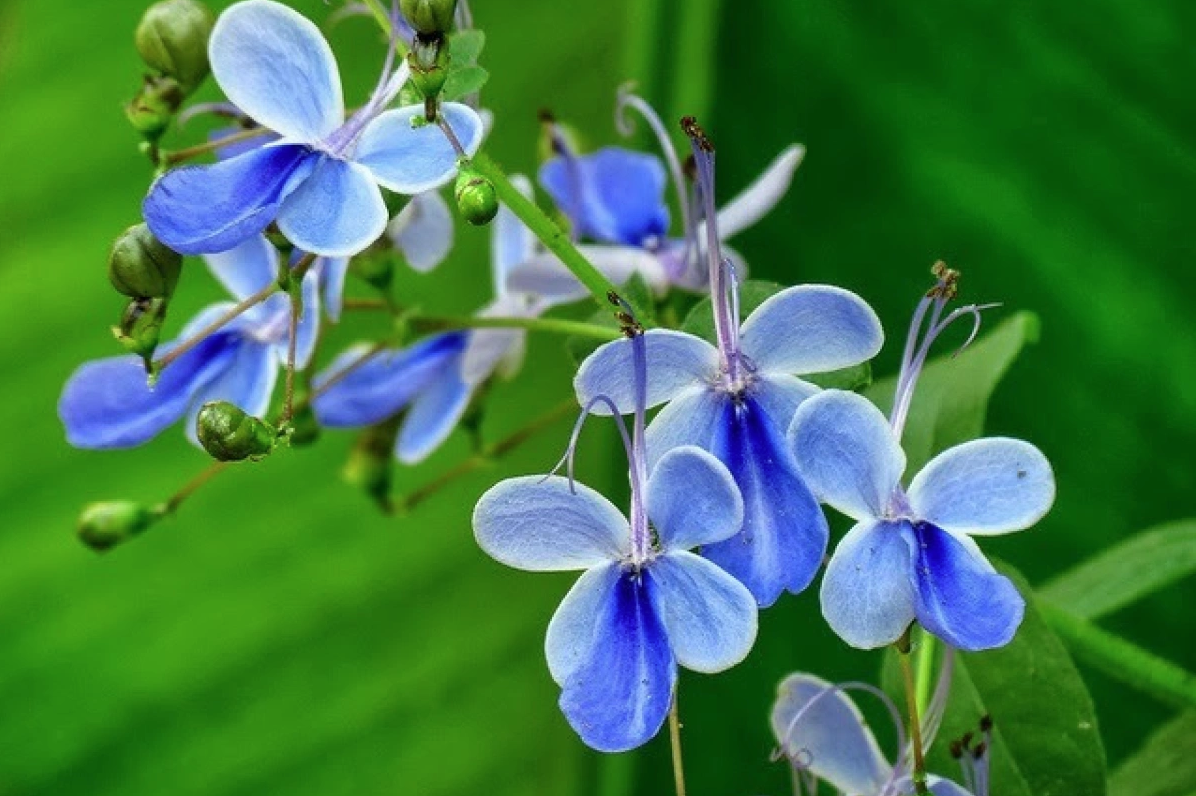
{"x": 784, "y": 532}
{"x": 613, "y": 195}
{"x": 618, "y": 698}
{"x": 960, "y": 597}
{"x": 108, "y": 404}
{"x": 385, "y": 384}
{"x": 207, "y": 209}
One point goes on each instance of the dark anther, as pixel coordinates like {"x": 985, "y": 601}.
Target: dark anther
{"x": 692, "y": 129}
{"x": 966, "y": 741}
{"x": 948, "y": 282}
{"x": 979, "y": 751}
{"x": 956, "y": 749}
{"x": 986, "y": 723}
{"x": 545, "y": 116}
{"x": 614, "y": 298}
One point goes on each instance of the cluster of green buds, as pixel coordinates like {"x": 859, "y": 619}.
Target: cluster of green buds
{"x": 429, "y": 56}
{"x": 146, "y": 270}
{"x": 172, "y": 40}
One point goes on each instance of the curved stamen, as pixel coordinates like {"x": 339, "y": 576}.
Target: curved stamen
{"x": 626, "y": 127}
{"x": 641, "y": 538}
{"x": 720, "y": 291}
{"x": 571, "y": 449}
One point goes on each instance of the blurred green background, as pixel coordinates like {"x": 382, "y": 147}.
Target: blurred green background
{"x": 279, "y": 637}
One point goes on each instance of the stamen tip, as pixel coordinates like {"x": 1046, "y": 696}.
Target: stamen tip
{"x": 696, "y": 134}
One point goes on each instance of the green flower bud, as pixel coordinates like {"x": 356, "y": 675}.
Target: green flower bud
{"x": 230, "y": 435}
{"x": 370, "y": 465}
{"x": 103, "y": 526}
{"x": 172, "y": 38}
{"x": 476, "y": 200}
{"x": 429, "y": 17}
{"x": 429, "y": 61}
{"x": 141, "y": 266}
{"x": 141, "y": 326}
{"x": 154, "y": 107}
{"x": 377, "y": 268}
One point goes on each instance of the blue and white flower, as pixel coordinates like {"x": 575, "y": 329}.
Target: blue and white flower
{"x": 109, "y": 404}
{"x": 737, "y": 399}
{"x": 320, "y": 182}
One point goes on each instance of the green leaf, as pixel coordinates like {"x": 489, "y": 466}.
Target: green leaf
{"x": 1045, "y": 739}
{"x": 1164, "y": 766}
{"x": 463, "y": 81}
{"x": 465, "y": 46}
{"x": 953, "y": 393}
{"x": 752, "y": 293}
{"x": 1123, "y": 574}
{"x": 853, "y": 379}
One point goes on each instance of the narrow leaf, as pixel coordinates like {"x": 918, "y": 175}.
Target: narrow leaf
{"x": 1164, "y": 766}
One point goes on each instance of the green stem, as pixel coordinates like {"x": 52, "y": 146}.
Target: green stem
{"x": 544, "y": 228}
{"x": 925, "y": 670}
{"x": 576, "y": 328}
{"x": 179, "y": 155}
{"x": 915, "y": 724}
{"x": 236, "y": 311}
{"x": 1122, "y": 660}
{"x": 675, "y": 746}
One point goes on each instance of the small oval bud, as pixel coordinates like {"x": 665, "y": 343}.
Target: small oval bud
{"x": 141, "y": 326}
{"x": 172, "y": 38}
{"x": 154, "y": 107}
{"x": 429, "y": 17}
{"x": 377, "y": 268}
{"x": 229, "y": 434}
{"x": 103, "y": 526}
{"x": 476, "y": 199}
{"x": 141, "y": 266}
{"x": 370, "y": 465}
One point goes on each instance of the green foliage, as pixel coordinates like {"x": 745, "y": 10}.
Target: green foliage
{"x": 1141, "y": 565}
{"x": 953, "y": 393}
{"x": 1164, "y": 766}
{"x": 1045, "y": 738}
{"x": 465, "y": 77}
{"x": 465, "y": 46}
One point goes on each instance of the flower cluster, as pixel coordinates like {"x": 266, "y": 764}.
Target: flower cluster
{"x": 728, "y": 479}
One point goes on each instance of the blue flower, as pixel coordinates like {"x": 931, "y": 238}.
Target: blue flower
{"x": 737, "y": 399}
{"x": 108, "y": 403}
{"x": 320, "y": 181}
{"x": 910, "y": 555}
{"x": 824, "y": 736}
{"x": 615, "y": 197}
{"x": 642, "y": 606}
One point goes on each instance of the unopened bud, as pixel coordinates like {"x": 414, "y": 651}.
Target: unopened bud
{"x": 476, "y": 199}
{"x": 141, "y": 326}
{"x": 141, "y": 266}
{"x": 103, "y": 526}
{"x": 229, "y": 434}
{"x": 377, "y": 268}
{"x": 370, "y": 465}
{"x": 154, "y": 107}
{"x": 429, "y": 17}
{"x": 172, "y": 38}
{"x": 429, "y": 61}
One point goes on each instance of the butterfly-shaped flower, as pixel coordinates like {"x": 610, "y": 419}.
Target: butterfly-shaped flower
{"x": 615, "y": 198}
{"x": 823, "y": 734}
{"x": 320, "y": 181}
{"x": 911, "y": 554}
{"x": 641, "y": 607}
{"x": 108, "y": 403}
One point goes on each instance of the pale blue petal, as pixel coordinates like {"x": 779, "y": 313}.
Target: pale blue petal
{"x": 108, "y": 404}
{"x": 511, "y": 242}
{"x": 676, "y": 361}
{"x": 411, "y": 160}
{"x": 987, "y": 486}
{"x": 423, "y": 231}
{"x": 780, "y": 394}
{"x": 617, "y": 695}
{"x": 205, "y": 209}
{"x": 960, "y": 597}
{"x": 692, "y": 417}
{"x": 246, "y": 268}
{"x": 613, "y": 195}
{"x": 811, "y": 329}
{"x": 545, "y": 275}
{"x": 542, "y": 524}
{"x": 488, "y": 349}
{"x": 336, "y": 212}
{"x": 433, "y": 415}
{"x": 710, "y": 617}
{"x": 247, "y": 382}
{"x": 692, "y": 499}
{"x": 385, "y": 384}
{"x": 762, "y": 195}
{"x": 821, "y": 730}
{"x": 784, "y": 532}
{"x": 846, "y": 451}
{"x": 866, "y": 594}
{"x": 332, "y": 281}
{"x": 275, "y": 65}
